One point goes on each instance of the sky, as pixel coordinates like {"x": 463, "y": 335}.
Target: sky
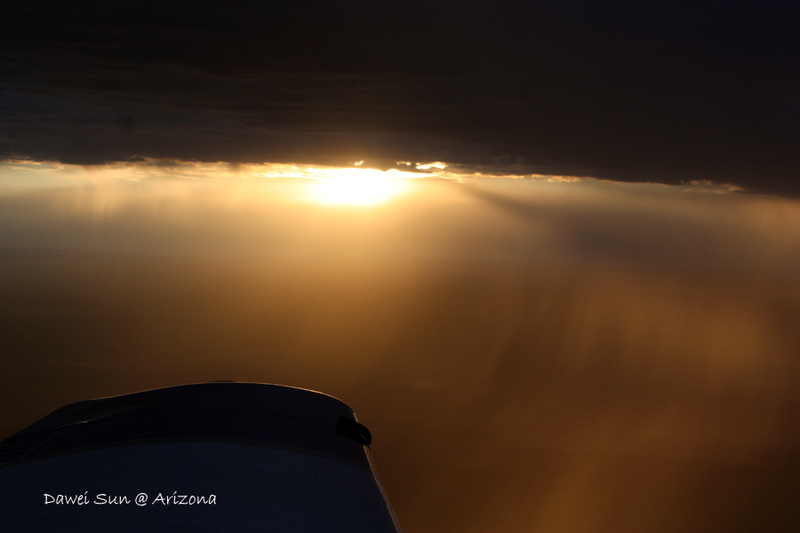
{"x": 546, "y": 251}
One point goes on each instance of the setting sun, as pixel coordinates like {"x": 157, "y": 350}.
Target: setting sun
{"x": 355, "y": 186}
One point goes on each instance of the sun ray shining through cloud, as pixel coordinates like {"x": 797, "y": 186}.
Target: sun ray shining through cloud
{"x": 357, "y": 187}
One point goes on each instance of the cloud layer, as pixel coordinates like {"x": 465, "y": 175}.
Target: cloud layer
{"x": 665, "y": 92}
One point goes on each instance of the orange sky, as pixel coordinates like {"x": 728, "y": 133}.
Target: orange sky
{"x": 531, "y": 354}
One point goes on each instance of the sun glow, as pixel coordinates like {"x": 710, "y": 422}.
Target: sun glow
{"x": 355, "y": 186}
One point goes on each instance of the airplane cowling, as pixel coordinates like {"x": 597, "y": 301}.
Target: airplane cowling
{"x": 217, "y": 457}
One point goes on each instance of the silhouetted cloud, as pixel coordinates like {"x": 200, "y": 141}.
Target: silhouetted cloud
{"x": 666, "y": 92}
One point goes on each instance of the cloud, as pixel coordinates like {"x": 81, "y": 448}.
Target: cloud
{"x": 576, "y": 89}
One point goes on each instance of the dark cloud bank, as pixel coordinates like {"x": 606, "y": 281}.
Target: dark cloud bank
{"x": 643, "y": 91}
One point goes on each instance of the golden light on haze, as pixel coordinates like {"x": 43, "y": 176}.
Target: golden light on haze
{"x": 349, "y": 186}
{"x": 284, "y": 210}
{"x": 542, "y": 354}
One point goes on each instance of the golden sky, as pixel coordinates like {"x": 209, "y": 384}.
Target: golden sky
{"x": 531, "y": 353}
{"x": 428, "y": 211}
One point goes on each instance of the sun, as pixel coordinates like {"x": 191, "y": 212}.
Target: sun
{"x": 356, "y": 187}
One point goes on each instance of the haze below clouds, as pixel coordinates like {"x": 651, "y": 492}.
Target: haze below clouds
{"x": 274, "y": 211}
{"x": 530, "y": 354}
